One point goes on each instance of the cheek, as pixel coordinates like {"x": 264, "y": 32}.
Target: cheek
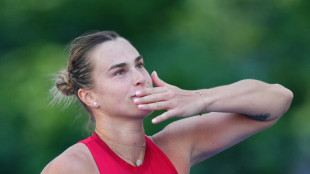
{"x": 118, "y": 90}
{"x": 148, "y": 82}
{"x": 118, "y": 102}
{"x": 112, "y": 92}
{"x": 114, "y": 98}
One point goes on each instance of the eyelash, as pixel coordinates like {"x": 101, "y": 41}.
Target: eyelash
{"x": 117, "y": 73}
{"x": 140, "y": 65}
{"x": 122, "y": 71}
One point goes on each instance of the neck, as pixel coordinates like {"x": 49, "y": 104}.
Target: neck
{"x": 123, "y": 136}
{"x": 130, "y": 132}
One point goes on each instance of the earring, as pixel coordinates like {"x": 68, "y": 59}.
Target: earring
{"x": 95, "y": 103}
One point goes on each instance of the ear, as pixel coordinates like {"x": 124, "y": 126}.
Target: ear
{"x": 88, "y": 98}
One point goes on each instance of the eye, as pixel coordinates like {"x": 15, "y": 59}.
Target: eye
{"x": 119, "y": 72}
{"x": 140, "y": 65}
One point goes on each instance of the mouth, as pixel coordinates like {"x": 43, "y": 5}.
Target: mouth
{"x": 133, "y": 97}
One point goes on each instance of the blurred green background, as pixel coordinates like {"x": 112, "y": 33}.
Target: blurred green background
{"x": 192, "y": 44}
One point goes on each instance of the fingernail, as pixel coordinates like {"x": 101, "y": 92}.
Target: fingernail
{"x": 138, "y": 92}
{"x": 141, "y": 106}
{"x": 154, "y": 120}
{"x": 136, "y": 100}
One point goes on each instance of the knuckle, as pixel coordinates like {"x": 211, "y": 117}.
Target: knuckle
{"x": 170, "y": 94}
{"x": 167, "y": 116}
{"x": 149, "y": 99}
{"x": 146, "y": 99}
{"x": 173, "y": 103}
{"x": 147, "y": 90}
{"x": 142, "y": 100}
{"x": 173, "y": 94}
{"x": 158, "y": 106}
{"x": 152, "y": 98}
{"x": 165, "y": 89}
{"x": 163, "y": 117}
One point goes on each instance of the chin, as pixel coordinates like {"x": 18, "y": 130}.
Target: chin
{"x": 144, "y": 113}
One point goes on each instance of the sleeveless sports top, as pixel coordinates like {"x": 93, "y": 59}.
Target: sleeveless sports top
{"x": 155, "y": 161}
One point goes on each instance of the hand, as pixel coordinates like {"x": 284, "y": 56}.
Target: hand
{"x": 177, "y": 102}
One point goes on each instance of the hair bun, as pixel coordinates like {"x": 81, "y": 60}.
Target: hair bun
{"x": 63, "y": 83}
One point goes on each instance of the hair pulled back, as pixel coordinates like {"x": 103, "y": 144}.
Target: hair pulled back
{"x": 78, "y": 73}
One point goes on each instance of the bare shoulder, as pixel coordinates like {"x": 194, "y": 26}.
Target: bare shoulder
{"x": 76, "y": 159}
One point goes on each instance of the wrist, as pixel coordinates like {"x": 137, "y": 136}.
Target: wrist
{"x": 201, "y": 101}
{"x": 206, "y": 99}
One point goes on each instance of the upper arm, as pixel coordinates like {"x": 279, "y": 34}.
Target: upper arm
{"x": 74, "y": 160}
{"x": 62, "y": 165}
{"x": 201, "y": 137}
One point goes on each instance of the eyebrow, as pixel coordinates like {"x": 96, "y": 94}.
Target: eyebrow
{"x": 138, "y": 58}
{"x": 120, "y": 65}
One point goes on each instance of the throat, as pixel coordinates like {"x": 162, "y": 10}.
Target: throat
{"x": 127, "y": 141}
{"x": 131, "y": 153}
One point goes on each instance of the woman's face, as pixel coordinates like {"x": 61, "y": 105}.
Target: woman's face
{"x": 119, "y": 72}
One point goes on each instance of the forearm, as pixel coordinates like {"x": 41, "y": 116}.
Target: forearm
{"x": 253, "y": 98}
{"x": 256, "y": 99}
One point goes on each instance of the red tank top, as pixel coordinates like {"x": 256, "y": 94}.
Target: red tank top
{"x": 155, "y": 161}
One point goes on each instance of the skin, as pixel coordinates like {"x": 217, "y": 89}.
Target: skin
{"x": 125, "y": 96}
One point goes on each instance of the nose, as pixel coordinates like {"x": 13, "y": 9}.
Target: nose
{"x": 139, "y": 78}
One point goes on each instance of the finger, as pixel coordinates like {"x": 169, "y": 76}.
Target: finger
{"x": 154, "y": 106}
{"x": 157, "y": 81}
{"x": 151, "y": 98}
{"x": 163, "y": 117}
{"x": 149, "y": 91}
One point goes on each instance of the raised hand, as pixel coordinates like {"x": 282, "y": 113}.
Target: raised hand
{"x": 177, "y": 102}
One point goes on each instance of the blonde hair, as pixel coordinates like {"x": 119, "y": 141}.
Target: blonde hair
{"x": 78, "y": 73}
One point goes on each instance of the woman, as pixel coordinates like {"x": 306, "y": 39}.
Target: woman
{"x": 107, "y": 75}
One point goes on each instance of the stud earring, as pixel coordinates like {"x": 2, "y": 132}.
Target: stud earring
{"x": 95, "y": 103}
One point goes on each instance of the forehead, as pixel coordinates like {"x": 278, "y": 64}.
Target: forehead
{"x": 114, "y": 51}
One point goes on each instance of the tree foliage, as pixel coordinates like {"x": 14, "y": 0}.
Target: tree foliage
{"x": 192, "y": 44}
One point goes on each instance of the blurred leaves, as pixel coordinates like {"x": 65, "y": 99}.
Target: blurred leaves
{"x": 192, "y": 44}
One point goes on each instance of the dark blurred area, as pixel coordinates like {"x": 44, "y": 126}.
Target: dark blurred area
{"x": 191, "y": 44}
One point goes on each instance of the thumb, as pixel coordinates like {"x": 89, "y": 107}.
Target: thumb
{"x": 157, "y": 81}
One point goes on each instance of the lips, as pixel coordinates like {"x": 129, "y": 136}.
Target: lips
{"x": 134, "y": 97}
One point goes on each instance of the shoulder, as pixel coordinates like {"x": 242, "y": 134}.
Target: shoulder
{"x": 76, "y": 159}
